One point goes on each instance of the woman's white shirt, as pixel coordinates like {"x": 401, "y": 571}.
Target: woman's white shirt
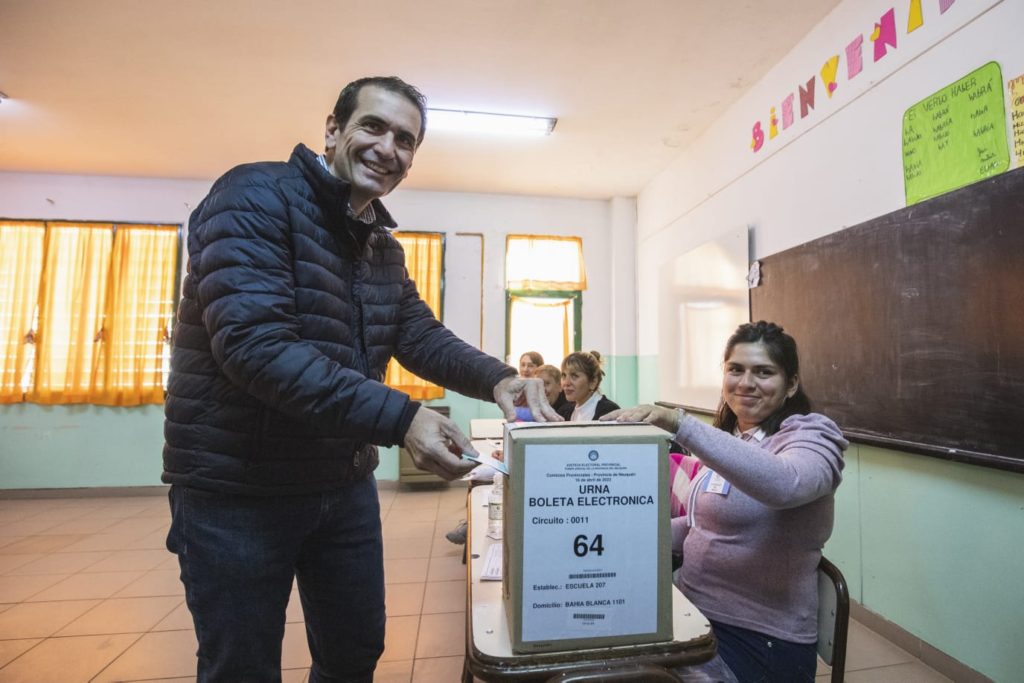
{"x": 586, "y": 411}
{"x": 755, "y": 434}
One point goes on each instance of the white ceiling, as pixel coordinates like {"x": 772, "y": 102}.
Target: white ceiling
{"x": 189, "y": 88}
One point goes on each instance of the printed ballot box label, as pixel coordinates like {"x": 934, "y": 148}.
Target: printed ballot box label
{"x": 590, "y": 540}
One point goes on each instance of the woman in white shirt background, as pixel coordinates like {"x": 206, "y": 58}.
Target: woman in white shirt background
{"x": 581, "y": 384}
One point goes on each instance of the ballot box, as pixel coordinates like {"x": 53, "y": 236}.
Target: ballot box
{"x": 586, "y": 535}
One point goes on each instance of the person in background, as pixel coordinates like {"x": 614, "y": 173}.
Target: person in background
{"x": 296, "y": 298}
{"x": 581, "y": 380}
{"x": 552, "y": 378}
{"x": 529, "y": 362}
{"x": 759, "y": 509}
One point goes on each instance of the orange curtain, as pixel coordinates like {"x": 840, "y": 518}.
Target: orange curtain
{"x": 131, "y": 366}
{"x": 544, "y": 263}
{"x": 71, "y": 303}
{"x": 21, "y": 262}
{"x": 423, "y": 260}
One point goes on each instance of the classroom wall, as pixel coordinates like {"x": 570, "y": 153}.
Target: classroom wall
{"x": 92, "y": 446}
{"x": 929, "y": 544}
{"x": 78, "y": 446}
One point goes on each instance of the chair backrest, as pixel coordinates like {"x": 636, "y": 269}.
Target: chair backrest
{"x": 833, "y": 618}
{"x": 487, "y": 428}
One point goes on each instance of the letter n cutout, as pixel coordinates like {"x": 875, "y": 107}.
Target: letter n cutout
{"x": 806, "y": 97}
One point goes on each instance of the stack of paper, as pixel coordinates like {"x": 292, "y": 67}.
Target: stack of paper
{"x": 492, "y": 564}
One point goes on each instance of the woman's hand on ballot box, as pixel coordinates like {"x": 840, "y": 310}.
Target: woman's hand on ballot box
{"x": 665, "y": 418}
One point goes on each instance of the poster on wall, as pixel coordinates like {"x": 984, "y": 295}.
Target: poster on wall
{"x": 956, "y": 136}
{"x": 1016, "y": 87}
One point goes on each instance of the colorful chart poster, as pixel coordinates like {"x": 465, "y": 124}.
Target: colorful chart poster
{"x": 1016, "y": 87}
{"x": 956, "y": 136}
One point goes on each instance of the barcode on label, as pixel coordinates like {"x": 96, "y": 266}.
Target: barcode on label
{"x": 593, "y": 575}
{"x": 587, "y": 617}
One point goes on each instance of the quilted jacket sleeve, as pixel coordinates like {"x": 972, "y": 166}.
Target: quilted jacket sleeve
{"x": 432, "y": 351}
{"x": 245, "y": 288}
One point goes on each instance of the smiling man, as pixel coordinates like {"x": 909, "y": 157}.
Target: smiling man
{"x": 296, "y": 298}
{"x": 371, "y": 139}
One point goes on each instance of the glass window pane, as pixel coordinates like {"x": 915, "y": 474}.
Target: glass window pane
{"x": 544, "y": 263}
{"x": 543, "y": 324}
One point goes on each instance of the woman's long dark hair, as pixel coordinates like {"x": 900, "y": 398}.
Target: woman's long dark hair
{"x": 782, "y": 350}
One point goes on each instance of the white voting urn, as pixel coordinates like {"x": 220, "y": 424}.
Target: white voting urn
{"x": 587, "y": 541}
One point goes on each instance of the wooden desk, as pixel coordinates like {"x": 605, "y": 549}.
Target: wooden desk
{"x": 489, "y": 649}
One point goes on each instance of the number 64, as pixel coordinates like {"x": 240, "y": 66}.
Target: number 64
{"x": 581, "y": 548}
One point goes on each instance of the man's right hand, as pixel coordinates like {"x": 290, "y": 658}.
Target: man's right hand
{"x": 437, "y": 444}
{"x": 532, "y": 389}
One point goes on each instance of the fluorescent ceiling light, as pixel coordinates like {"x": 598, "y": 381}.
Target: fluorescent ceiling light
{"x": 481, "y": 122}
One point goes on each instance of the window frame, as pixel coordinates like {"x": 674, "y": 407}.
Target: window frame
{"x": 576, "y": 295}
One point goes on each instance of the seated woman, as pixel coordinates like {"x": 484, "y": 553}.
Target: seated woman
{"x": 581, "y": 379}
{"x": 529, "y": 362}
{"x": 552, "y": 378}
{"x": 759, "y": 509}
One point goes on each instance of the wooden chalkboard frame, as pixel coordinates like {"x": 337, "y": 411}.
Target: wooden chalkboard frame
{"x": 911, "y": 325}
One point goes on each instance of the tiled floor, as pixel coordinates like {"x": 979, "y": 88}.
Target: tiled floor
{"x": 88, "y": 593}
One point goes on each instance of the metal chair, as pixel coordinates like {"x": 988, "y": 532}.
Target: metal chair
{"x": 833, "y": 618}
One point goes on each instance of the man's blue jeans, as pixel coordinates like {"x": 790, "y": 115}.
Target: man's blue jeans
{"x": 238, "y": 556}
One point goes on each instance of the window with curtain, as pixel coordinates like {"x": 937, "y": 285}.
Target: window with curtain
{"x": 546, "y": 322}
{"x": 135, "y": 354}
{"x": 424, "y": 259}
{"x": 544, "y": 263}
{"x": 544, "y": 280}
{"x": 86, "y": 311}
{"x": 21, "y": 262}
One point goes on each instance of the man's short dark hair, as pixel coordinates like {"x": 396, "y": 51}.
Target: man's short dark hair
{"x": 348, "y": 100}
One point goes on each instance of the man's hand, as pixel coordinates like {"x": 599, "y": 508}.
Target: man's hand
{"x": 666, "y": 418}
{"x": 506, "y": 391}
{"x": 436, "y": 445}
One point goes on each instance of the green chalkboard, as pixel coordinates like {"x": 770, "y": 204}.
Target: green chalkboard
{"x": 956, "y": 136}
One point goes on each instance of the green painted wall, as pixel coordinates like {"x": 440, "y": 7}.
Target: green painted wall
{"x": 80, "y": 446}
{"x": 44, "y": 447}
{"x": 647, "y": 379}
{"x": 620, "y": 382}
{"x": 941, "y": 553}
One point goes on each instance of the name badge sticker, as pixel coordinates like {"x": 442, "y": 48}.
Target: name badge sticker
{"x": 717, "y": 484}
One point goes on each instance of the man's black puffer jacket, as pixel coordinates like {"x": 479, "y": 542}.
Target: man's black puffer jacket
{"x": 289, "y": 314}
